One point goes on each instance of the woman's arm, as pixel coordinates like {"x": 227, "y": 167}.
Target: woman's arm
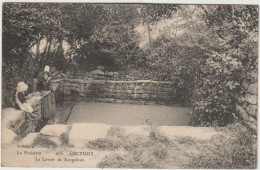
{"x": 21, "y": 97}
{"x": 49, "y": 85}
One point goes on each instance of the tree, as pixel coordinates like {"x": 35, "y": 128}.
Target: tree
{"x": 152, "y": 13}
{"x": 115, "y": 37}
{"x": 24, "y": 25}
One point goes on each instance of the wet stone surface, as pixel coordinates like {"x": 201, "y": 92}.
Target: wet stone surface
{"x": 125, "y": 114}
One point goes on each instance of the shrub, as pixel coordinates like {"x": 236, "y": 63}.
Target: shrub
{"x": 216, "y": 85}
{"x": 219, "y": 81}
{"x": 170, "y": 60}
{"x": 235, "y": 149}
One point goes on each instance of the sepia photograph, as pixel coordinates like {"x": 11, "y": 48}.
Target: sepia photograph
{"x": 129, "y": 85}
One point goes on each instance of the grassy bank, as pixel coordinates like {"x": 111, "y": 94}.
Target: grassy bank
{"x": 233, "y": 147}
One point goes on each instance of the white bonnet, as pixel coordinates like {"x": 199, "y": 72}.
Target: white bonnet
{"x": 21, "y": 87}
{"x": 47, "y": 68}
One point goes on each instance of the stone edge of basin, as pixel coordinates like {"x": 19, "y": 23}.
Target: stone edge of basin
{"x": 112, "y": 81}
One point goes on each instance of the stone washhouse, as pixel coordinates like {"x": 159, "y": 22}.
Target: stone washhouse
{"x": 97, "y": 85}
{"x": 111, "y": 87}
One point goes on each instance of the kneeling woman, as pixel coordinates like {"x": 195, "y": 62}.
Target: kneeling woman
{"x": 48, "y": 101}
{"x": 21, "y": 92}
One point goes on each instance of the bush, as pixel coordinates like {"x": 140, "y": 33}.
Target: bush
{"x": 216, "y": 85}
{"x": 235, "y": 149}
{"x": 171, "y": 60}
{"x": 219, "y": 81}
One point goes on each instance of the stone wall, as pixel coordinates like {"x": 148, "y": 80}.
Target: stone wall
{"x": 141, "y": 91}
{"x": 115, "y": 87}
{"x": 99, "y": 74}
{"x": 19, "y": 121}
{"x": 246, "y": 106}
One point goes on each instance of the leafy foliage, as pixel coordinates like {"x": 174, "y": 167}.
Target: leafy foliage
{"x": 153, "y": 13}
{"x": 116, "y": 43}
{"x": 24, "y": 25}
{"x": 221, "y": 76}
{"x": 234, "y": 150}
{"x": 171, "y": 60}
{"x": 209, "y": 50}
{"x": 209, "y": 61}
{"x": 216, "y": 85}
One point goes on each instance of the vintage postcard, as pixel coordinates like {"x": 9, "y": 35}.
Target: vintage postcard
{"x": 129, "y": 85}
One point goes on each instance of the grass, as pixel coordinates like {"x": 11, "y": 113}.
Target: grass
{"x": 139, "y": 151}
{"x": 233, "y": 147}
{"x": 42, "y": 141}
{"x": 64, "y": 137}
{"x": 113, "y": 141}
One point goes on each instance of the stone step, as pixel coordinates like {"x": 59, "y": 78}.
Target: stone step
{"x": 8, "y": 136}
{"x": 29, "y": 139}
{"x": 54, "y": 130}
{"x": 10, "y": 115}
{"x": 200, "y": 133}
{"x": 82, "y": 133}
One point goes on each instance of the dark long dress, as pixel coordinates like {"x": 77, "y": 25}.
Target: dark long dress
{"x": 48, "y": 101}
{"x": 21, "y": 97}
{"x": 44, "y": 85}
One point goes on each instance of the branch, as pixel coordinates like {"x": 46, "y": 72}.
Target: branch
{"x": 42, "y": 37}
{"x": 204, "y": 9}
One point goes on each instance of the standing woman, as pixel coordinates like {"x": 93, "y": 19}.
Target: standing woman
{"x": 45, "y": 82}
{"x": 48, "y": 101}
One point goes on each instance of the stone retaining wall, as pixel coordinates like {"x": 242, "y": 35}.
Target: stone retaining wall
{"x": 161, "y": 92}
{"x": 115, "y": 87}
{"x": 99, "y": 74}
{"x": 246, "y": 106}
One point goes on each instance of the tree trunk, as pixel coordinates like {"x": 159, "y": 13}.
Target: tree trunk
{"x": 38, "y": 48}
{"x": 149, "y": 34}
{"x": 232, "y": 10}
{"x": 45, "y": 49}
{"x": 49, "y": 47}
{"x": 58, "y": 61}
{"x": 176, "y": 28}
{"x": 38, "y": 53}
